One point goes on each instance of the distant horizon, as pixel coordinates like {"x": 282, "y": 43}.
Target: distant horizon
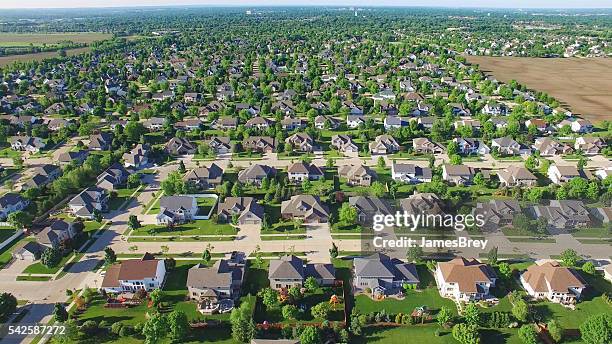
{"x": 466, "y": 4}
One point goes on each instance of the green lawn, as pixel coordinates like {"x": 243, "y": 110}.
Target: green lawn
{"x": 532, "y": 240}
{"x": 205, "y": 205}
{"x": 591, "y": 233}
{"x": 122, "y": 196}
{"x": 6, "y": 252}
{"x": 400, "y": 335}
{"x": 10, "y": 153}
{"x": 428, "y": 297}
{"x": 33, "y": 278}
{"x": 97, "y": 312}
{"x": 39, "y": 268}
{"x": 197, "y": 227}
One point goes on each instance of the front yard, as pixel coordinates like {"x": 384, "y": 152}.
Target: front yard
{"x": 197, "y": 227}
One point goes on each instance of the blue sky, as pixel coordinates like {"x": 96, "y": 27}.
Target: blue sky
{"x": 443, "y": 3}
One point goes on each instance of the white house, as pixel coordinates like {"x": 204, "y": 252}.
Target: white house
{"x": 410, "y": 173}
{"x": 562, "y": 174}
{"x": 135, "y": 274}
{"x": 553, "y": 282}
{"x": 176, "y": 209}
{"x": 11, "y": 202}
{"x": 464, "y": 280}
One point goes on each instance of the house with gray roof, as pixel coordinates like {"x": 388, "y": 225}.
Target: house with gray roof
{"x": 101, "y": 141}
{"x": 300, "y": 171}
{"x": 55, "y": 234}
{"x": 113, "y": 177}
{"x": 262, "y": 144}
{"x": 180, "y": 146}
{"x": 508, "y": 146}
{"x": 497, "y": 213}
{"x": 382, "y": 275}
{"x": 410, "y": 173}
{"x": 220, "y": 144}
{"x": 205, "y": 177}
{"x": 368, "y": 206}
{"x": 27, "y": 143}
{"x": 289, "y": 271}
{"x": 301, "y": 142}
{"x": 423, "y": 203}
{"x": 254, "y": 174}
{"x": 176, "y": 209}
{"x": 309, "y": 208}
{"x": 344, "y": 143}
{"x": 78, "y": 156}
{"x": 220, "y": 281}
{"x": 458, "y": 174}
{"x": 424, "y": 145}
{"x": 564, "y": 214}
{"x": 11, "y": 202}
{"x": 138, "y": 157}
{"x": 88, "y": 201}
{"x": 246, "y": 208}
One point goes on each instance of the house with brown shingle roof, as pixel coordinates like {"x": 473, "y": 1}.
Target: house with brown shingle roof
{"x": 300, "y": 171}
{"x": 357, "y": 174}
{"x": 516, "y": 176}
{"x": 306, "y": 207}
{"x": 464, "y": 279}
{"x": 132, "y": 275}
{"x": 561, "y": 174}
{"x": 551, "y": 281}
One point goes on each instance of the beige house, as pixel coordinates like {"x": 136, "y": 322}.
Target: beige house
{"x": 517, "y": 176}
{"x": 464, "y": 280}
{"x": 360, "y": 175}
{"x": 553, "y": 282}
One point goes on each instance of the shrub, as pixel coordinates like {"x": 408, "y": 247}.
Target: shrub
{"x": 116, "y": 328}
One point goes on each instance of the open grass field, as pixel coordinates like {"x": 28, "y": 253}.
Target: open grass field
{"x": 576, "y": 83}
{"x": 7, "y": 60}
{"x": 38, "y": 39}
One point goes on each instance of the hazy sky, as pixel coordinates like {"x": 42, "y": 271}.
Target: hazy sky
{"x": 445, "y": 3}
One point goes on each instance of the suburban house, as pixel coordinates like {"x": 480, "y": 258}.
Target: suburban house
{"x": 205, "y": 177}
{"x": 589, "y": 145}
{"x": 308, "y": 208}
{"x": 254, "y": 174}
{"x": 550, "y": 147}
{"x": 495, "y": 109}
{"x": 381, "y": 275}
{"x": 563, "y": 174}
{"x": 343, "y": 143}
{"x": 289, "y": 271}
{"x": 90, "y": 200}
{"x": 27, "y": 143}
{"x": 507, "y": 146}
{"x": 471, "y": 146}
{"x": 359, "y": 175}
{"x": 551, "y": 281}
{"x": 368, "y": 206}
{"x": 28, "y": 251}
{"x": 355, "y": 120}
{"x": 464, "y": 280}
{"x": 497, "y": 213}
{"x": 301, "y": 142}
{"x": 137, "y": 157}
{"x": 410, "y": 173}
{"x": 458, "y": 174}
{"x": 225, "y": 123}
{"x": 321, "y": 122}
{"x": 114, "y": 177}
{"x": 176, "y": 209}
{"x": 246, "y": 208}
{"x": 56, "y": 234}
{"x": 220, "y": 144}
{"x": 300, "y": 171}
{"x": 132, "y": 275}
{"x": 260, "y": 123}
{"x": 179, "y": 146}
{"x": 101, "y": 141}
{"x": 564, "y": 214}
{"x": 42, "y": 176}
{"x": 423, "y": 145}
{"x": 425, "y": 203}
{"x": 384, "y": 144}
{"x": 261, "y": 144}
{"x": 394, "y": 122}
{"x": 220, "y": 281}
{"x": 68, "y": 157}
{"x": 516, "y": 176}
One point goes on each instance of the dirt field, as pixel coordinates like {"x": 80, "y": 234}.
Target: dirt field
{"x": 37, "y": 39}
{"x": 6, "y": 60}
{"x": 582, "y": 85}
